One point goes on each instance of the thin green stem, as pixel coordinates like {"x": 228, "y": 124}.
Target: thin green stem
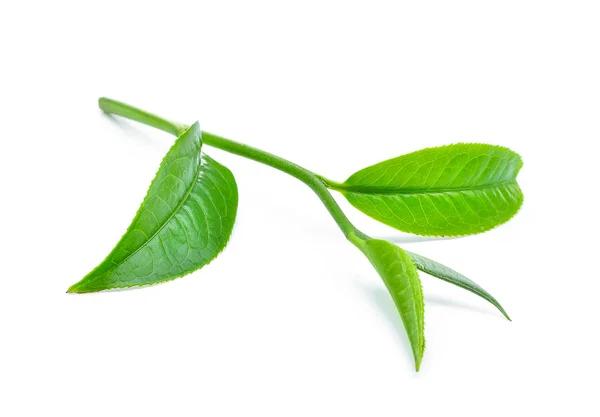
{"x": 125, "y": 110}
{"x": 304, "y": 175}
{"x": 314, "y": 181}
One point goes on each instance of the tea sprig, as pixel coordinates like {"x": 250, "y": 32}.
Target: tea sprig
{"x": 189, "y": 211}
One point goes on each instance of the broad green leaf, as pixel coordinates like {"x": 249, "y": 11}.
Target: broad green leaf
{"x": 402, "y": 281}
{"x": 451, "y": 190}
{"x": 183, "y": 223}
{"x": 449, "y": 275}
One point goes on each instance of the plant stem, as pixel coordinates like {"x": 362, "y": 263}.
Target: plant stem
{"x": 314, "y": 181}
{"x": 304, "y": 175}
{"x": 125, "y": 110}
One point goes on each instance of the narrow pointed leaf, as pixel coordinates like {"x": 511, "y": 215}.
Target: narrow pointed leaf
{"x": 451, "y": 190}
{"x": 183, "y": 223}
{"x": 449, "y": 275}
{"x": 402, "y": 281}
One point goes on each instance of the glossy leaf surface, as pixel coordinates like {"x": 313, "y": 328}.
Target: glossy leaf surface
{"x": 402, "y": 281}
{"x": 184, "y": 221}
{"x": 438, "y": 270}
{"x": 445, "y": 191}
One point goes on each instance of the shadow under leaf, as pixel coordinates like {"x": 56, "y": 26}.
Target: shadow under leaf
{"x": 379, "y": 298}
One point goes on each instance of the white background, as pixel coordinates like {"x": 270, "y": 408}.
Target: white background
{"x": 291, "y": 320}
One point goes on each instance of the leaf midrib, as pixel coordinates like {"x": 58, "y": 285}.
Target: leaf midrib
{"x": 360, "y": 189}
{"x": 181, "y": 203}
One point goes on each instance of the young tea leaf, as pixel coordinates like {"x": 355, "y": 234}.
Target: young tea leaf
{"x": 183, "y": 223}
{"x": 449, "y": 275}
{"x": 451, "y": 190}
{"x": 402, "y": 281}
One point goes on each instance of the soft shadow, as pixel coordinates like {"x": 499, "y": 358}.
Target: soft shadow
{"x": 126, "y": 289}
{"x": 445, "y": 302}
{"x": 413, "y": 238}
{"x": 382, "y": 302}
{"x": 133, "y": 131}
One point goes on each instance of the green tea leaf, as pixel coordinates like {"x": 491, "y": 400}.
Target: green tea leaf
{"x": 451, "y": 190}
{"x": 449, "y": 275}
{"x": 183, "y": 223}
{"x": 402, "y": 281}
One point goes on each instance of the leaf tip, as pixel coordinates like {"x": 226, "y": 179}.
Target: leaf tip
{"x": 76, "y": 288}
{"x": 504, "y": 313}
{"x": 72, "y": 289}
{"x": 419, "y": 355}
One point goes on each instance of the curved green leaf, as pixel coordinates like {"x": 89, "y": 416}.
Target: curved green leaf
{"x": 402, "y": 281}
{"x": 446, "y": 191}
{"x": 183, "y": 223}
{"x": 449, "y": 275}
